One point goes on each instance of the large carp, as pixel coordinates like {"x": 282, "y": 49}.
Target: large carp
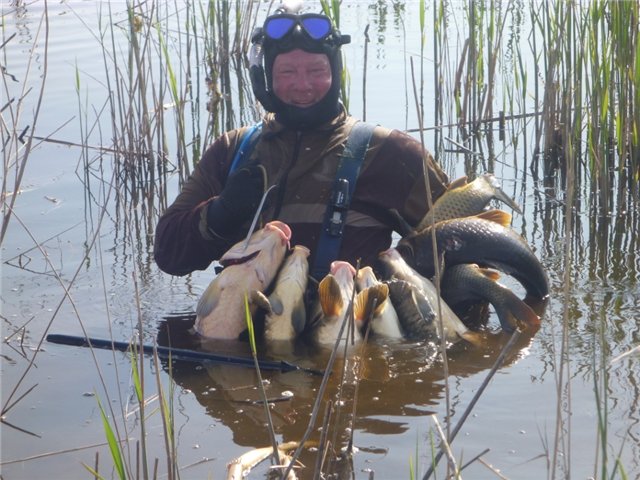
{"x": 286, "y": 316}
{"x": 247, "y": 270}
{"x": 463, "y": 199}
{"x": 393, "y": 266}
{"x": 468, "y": 283}
{"x": 485, "y": 239}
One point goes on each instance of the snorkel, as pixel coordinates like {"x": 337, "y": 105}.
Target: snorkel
{"x": 283, "y": 32}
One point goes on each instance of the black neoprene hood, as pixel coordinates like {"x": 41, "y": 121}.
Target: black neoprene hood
{"x": 261, "y": 74}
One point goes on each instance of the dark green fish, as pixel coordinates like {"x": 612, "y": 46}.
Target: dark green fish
{"x": 485, "y": 239}
{"x": 415, "y": 313}
{"x": 394, "y": 267}
{"x": 470, "y": 283}
{"x": 463, "y": 199}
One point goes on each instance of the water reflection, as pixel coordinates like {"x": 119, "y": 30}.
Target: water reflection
{"x": 394, "y": 380}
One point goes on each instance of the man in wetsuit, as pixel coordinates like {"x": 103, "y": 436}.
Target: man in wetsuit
{"x": 296, "y": 73}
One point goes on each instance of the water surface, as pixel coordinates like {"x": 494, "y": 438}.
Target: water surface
{"x": 59, "y": 239}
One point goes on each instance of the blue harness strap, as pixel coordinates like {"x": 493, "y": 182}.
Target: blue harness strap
{"x": 249, "y": 140}
{"x": 335, "y": 218}
{"x": 328, "y": 246}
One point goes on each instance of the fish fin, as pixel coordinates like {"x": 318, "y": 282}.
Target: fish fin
{"x": 516, "y": 314}
{"x": 458, "y": 182}
{"x": 330, "y": 296}
{"x": 474, "y": 338}
{"x": 363, "y": 304}
{"x": 276, "y": 305}
{"x": 299, "y": 317}
{"x": 208, "y": 300}
{"x": 259, "y": 299}
{"x": 499, "y": 216}
{"x": 490, "y": 273}
{"x": 427, "y": 310}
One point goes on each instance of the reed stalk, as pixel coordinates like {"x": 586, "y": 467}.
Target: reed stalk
{"x": 17, "y": 140}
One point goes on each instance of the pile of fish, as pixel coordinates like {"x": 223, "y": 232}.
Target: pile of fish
{"x": 472, "y": 246}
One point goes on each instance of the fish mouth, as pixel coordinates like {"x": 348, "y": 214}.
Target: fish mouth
{"x": 283, "y": 229}
{"x": 239, "y": 260}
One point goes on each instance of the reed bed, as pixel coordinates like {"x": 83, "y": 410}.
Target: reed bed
{"x": 175, "y": 76}
{"x": 178, "y": 77}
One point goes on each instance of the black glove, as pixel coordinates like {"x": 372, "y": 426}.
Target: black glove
{"x": 237, "y": 202}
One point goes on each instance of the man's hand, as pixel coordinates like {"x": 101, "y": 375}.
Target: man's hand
{"x": 238, "y": 201}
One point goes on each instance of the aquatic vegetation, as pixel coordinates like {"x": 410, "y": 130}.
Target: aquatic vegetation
{"x": 550, "y": 90}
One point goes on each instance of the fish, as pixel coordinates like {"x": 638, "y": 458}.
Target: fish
{"x": 386, "y": 323}
{"x": 249, "y": 269}
{"x": 416, "y": 314}
{"x": 335, "y": 292}
{"x": 485, "y": 239}
{"x": 286, "y": 313}
{"x": 393, "y": 266}
{"x": 239, "y": 468}
{"x": 467, "y": 282}
{"x": 464, "y": 199}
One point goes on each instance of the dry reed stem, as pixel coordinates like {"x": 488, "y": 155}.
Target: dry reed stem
{"x": 446, "y": 447}
{"x": 496, "y": 366}
{"x": 54, "y": 453}
{"x": 13, "y": 137}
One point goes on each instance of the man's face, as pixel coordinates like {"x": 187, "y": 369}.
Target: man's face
{"x": 300, "y": 78}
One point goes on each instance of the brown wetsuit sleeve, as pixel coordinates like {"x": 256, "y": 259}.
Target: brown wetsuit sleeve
{"x": 182, "y": 241}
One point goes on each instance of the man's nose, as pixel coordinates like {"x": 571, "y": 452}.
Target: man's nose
{"x": 303, "y": 80}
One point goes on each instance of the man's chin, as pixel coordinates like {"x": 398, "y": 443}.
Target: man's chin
{"x": 303, "y": 105}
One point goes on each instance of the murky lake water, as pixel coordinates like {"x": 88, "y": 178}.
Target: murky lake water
{"x": 57, "y": 426}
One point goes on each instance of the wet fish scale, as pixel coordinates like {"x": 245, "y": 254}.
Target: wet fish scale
{"x": 464, "y": 199}
{"x": 414, "y": 310}
{"x": 477, "y": 240}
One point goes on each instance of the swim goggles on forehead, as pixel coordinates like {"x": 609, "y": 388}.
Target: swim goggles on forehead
{"x": 317, "y": 26}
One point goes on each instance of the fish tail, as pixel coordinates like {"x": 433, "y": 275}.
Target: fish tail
{"x": 506, "y": 199}
{"x": 514, "y": 313}
{"x": 500, "y": 194}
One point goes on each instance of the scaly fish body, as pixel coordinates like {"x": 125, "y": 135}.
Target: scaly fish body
{"x": 484, "y": 239}
{"x": 416, "y": 314}
{"x": 286, "y": 316}
{"x": 220, "y": 313}
{"x": 386, "y": 323}
{"x": 463, "y": 199}
{"x": 470, "y": 283}
{"x": 394, "y": 266}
